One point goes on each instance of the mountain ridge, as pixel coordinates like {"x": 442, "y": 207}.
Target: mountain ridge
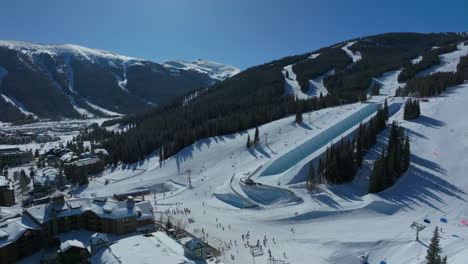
{"x": 86, "y": 82}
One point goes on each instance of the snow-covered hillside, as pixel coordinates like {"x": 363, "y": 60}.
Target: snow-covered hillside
{"x": 81, "y": 81}
{"x": 333, "y": 224}
{"x": 215, "y": 70}
{"x": 449, "y": 61}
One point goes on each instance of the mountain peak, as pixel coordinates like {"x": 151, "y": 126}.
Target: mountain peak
{"x": 215, "y": 70}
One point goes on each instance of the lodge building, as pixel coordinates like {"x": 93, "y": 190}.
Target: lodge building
{"x": 23, "y": 234}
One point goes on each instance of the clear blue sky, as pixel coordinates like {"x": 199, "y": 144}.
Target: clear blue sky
{"x": 243, "y": 33}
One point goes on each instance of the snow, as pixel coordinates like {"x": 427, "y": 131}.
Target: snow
{"x": 100, "y": 109}
{"x": 92, "y": 55}
{"x": 216, "y": 71}
{"x": 354, "y": 56}
{"x": 313, "y": 56}
{"x": 334, "y": 223}
{"x": 388, "y": 83}
{"x": 417, "y": 60}
{"x": 316, "y": 86}
{"x": 12, "y": 229}
{"x": 294, "y": 156}
{"x": 122, "y": 82}
{"x": 448, "y": 61}
{"x": 71, "y": 243}
{"x": 18, "y": 105}
{"x": 142, "y": 249}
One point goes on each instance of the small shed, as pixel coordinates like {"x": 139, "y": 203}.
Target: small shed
{"x": 194, "y": 248}
{"x": 98, "y": 241}
{"x": 73, "y": 252}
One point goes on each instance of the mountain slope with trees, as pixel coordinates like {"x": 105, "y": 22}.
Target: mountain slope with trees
{"x": 257, "y": 95}
{"x": 57, "y": 81}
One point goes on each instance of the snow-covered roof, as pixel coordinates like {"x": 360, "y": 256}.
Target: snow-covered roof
{"x": 46, "y": 176}
{"x": 86, "y": 161}
{"x": 101, "y": 151}
{"x": 3, "y": 181}
{"x": 98, "y": 237}
{"x": 158, "y": 248}
{"x": 12, "y": 229}
{"x": 67, "y": 157}
{"x": 191, "y": 243}
{"x": 109, "y": 209}
{"x": 71, "y": 243}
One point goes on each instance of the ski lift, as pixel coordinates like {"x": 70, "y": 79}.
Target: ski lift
{"x": 443, "y": 220}
{"x": 426, "y": 220}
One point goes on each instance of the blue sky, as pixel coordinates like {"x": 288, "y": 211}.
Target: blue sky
{"x": 243, "y": 33}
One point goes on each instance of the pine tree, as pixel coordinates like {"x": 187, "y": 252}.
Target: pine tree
{"x": 385, "y": 110}
{"x": 434, "y": 250}
{"x": 444, "y": 260}
{"x": 248, "y": 141}
{"x": 256, "y": 137}
{"x": 407, "y": 154}
{"x": 311, "y": 177}
{"x": 298, "y": 116}
{"x": 375, "y": 89}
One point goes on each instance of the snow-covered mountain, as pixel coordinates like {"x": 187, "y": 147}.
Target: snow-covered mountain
{"x": 66, "y": 80}
{"x": 217, "y": 71}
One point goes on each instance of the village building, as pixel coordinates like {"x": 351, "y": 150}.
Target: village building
{"x": 46, "y": 181}
{"x": 7, "y": 192}
{"x": 73, "y": 252}
{"x": 92, "y": 165}
{"x": 19, "y": 237}
{"x": 21, "y": 234}
{"x": 194, "y": 248}
{"x": 14, "y": 156}
{"x": 156, "y": 247}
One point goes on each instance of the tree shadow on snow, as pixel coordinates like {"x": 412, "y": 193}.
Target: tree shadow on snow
{"x": 428, "y": 164}
{"x": 419, "y": 186}
{"x": 304, "y": 125}
{"x": 428, "y": 121}
{"x": 325, "y": 199}
{"x": 412, "y": 134}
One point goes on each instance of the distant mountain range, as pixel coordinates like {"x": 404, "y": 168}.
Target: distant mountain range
{"x": 71, "y": 81}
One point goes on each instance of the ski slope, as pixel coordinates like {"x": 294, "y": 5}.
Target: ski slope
{"x": 448, "y": 61}
{"x": 14, "y": 102}
{"x": 355, "y": 56}
{"x": 291, "y": 86}
{"x": 332, "y": 224}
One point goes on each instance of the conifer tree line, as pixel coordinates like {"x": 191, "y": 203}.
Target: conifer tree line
{"x": 393, "y": 162}
{"x": 435, "y": 83}
{"x": 428, "y": 60}
{"x": 434, "y": 251}
{"x": 412, "y": 109}
{"x": 257, "y": 96}
{"x": 342, "y": 160}
{"x": 255, "y": 141}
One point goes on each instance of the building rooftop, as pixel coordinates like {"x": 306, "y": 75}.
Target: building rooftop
{"x": 46, "y": 176}
{"x": 12, "y": 229}
{"x": 109, "y": 208}
{"x": 86, "y": 161}
{"x": 71, "y": 243}
{"x": 158, "y": 248}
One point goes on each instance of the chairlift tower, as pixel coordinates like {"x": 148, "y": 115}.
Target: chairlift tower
{"x": 418, "y": 227}
{"x": 189, "y": 179}
{"x": 266, "y": 138}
